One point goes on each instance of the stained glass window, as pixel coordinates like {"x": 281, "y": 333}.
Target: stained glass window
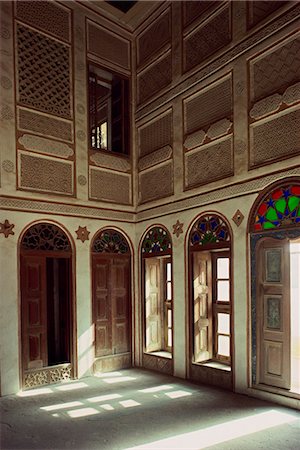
{"x": 110, "y": 241}
{"x": 209, "y": 229}
{"x": 156, "y": 241}
{"x": 279, "y": 208}
{"x": 47, "y": 237}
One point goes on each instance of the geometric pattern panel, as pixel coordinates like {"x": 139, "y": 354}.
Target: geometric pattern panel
{"x": 47, "y": 146}
{"x": 194, "y": 9}
{"x": 109, "y": 186}
{"x": 207, "y": 39}
{"x": 156, "y": 183}
{"x": 108, "y": 46}
{"x": 155, "y": 78}
{"x": 156, "y": 157}
{"x": 259, "y": 10}
{"x": 47, "y": 375}
{"x": 46, "y": 15}
{"x": 208, "y": 106}
{"x": 279, "y": 208}
{"x": 156, "y": 241}
{"x": 155, "y": 135}
{"x": 45, "y": 237}
{"x": 43, "y": 67}
{"x": 110, "y": 241}
{"x": 276, "y": 70}
{"x": 111, "y": 161}
{"x": 209, "y": 229}
{"x": 155, "y": 37}
{"x": 43, "y": 174}
{"x": 276, "y": 139}
{"x": 163, "y": 365}
{"x": 209, "y": 163}
{"x": 47, "y": 126}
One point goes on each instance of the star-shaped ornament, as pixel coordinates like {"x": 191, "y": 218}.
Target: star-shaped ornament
{"x": 177, "y": 228}
{"x": 82, "y": 234}
{"x": 6, "y": 228}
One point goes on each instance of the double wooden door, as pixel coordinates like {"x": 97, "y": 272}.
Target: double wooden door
{"x": 111, "y": 304}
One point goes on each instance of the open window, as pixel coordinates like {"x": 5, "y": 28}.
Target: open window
{"x": 158, "y": 292}
{"x": 211, "y": 301}
{"x": 108, "y": 111}
{"x": 275, "y": 303}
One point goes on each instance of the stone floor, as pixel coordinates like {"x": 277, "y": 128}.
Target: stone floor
{"x": 137, "y": 409}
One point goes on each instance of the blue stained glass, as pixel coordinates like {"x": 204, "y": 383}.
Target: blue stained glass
{"x": 209, "y": 229}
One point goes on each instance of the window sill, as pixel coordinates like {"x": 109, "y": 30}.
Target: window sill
{"x": 161, "y": 354}
{"x": 215, "y": 365}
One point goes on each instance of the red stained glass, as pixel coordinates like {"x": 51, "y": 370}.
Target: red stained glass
{"x": 257, "y": 227}
{"x": 295, "y": 190}
{"x": 277, "y": 194}
{"x": 262, "y": 209}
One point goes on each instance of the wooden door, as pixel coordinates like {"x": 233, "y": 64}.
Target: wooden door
{"x": 153, "y": 305}
{"x": 120, "y": 305}
{"x": 202, "y": 306}
{"x": 102, "y": 307}
{"x": 34, "y": 312}
{"x": 273, "y": 313}
{"x": 111, "y": 305}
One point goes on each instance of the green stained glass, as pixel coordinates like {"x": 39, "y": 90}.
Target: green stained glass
{"x": 271, "y": 214}
{"x": 280, "y": 206}
{"x": 268, "y": 225}
{"x": 110, "y": 241}
{"x": 156, "y": 241}
{"x": 209, "y": 229}
{"x": 293, "y": 203}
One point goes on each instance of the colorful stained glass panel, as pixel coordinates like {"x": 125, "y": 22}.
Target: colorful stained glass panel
{"x": 156, "y": 241}
{"x": 280, "y": 208}
{"x": 110, "y": 241}
{"x": 209, "y": 229}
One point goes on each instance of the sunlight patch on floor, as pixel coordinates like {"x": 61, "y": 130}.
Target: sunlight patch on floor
{"x": 34, "y": 392}
{"x": 164, "y": 387}
{"x": 83, "y": 412}
{"x": 178, "y": 394}
{"x": 61, "y": 406}
{"x": 103, "y": 398}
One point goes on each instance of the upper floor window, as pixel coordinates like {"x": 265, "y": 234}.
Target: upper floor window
{"x": 108, "y": 111}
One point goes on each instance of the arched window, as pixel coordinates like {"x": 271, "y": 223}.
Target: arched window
{"x": 210, "y": 306}
{"x": 158, "y": 292}
{"x": 275, "y": 292}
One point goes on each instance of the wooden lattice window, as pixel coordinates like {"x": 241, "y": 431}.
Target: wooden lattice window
{"x": 46, "y": 237}
{"x": 110, "y": 241}
{"x": 278, "y": 208}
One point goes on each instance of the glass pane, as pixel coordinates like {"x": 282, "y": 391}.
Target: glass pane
{"x": 223, "y": 268}
{"x": 169, "y": 290}
{"x": 223, "y": 291}
{"x": 169, "y": 318}
{"x": 169, "y": 272}
{"x": 223, "y": 323}
{"x": 223, "y": 345}
{"x": 169, "y": 338}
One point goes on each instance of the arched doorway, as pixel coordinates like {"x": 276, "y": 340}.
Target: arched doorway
{"x": 111, "y": 301}
{"x": 210, "y": 301}
{"x": 274, "y": 228}
{"x": 46, "y": 305}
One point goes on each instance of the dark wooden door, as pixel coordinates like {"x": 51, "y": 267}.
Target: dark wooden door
{"x": 111, "y": 305}
{"x": 34, "y": 312}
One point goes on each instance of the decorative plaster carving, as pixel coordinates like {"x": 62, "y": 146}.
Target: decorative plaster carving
{"x": 81, "y": 135}
{"x": 5, "y": 82}
{"x": 219, "y": 129}
{"x": 155, "y": 134}
{"x": 47, "y": 375}
{"x": 291, "y": 94}
{"x": 111, "y": 162}
{"x": 158, "y": 156}
{"x": 156, "y": 183}
{"x": 238, "y": 217}
{"x": 40, "y": 144}
{"x": 43, "y": 70}
{"x": 195, "y": 139}
{"x": 177, "y": 228}
{"x": 82, "y": 234}
{"x": 154, "y": 78}
{"x": 110, "y": 186}
{"x": 5, "y": 33}
{"x": 266, "y": 106}
{"x": 6, "y": 113}
{"x": 6, "y": 228}
{"x": 82, "y": 180}
{"x": 80, "y": 108}
{"x": 8, "y": 166}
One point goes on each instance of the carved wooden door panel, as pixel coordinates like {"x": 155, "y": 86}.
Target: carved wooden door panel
{"x": 120, "y": 305}
{"x": 153, "y": 305}
{"x": 202, "y": 296}
{"x": 102, "y": 307}
{"x": 111, "y": 305}
{"x": 273, "y": 313}
{"x": 34, "y": 312}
